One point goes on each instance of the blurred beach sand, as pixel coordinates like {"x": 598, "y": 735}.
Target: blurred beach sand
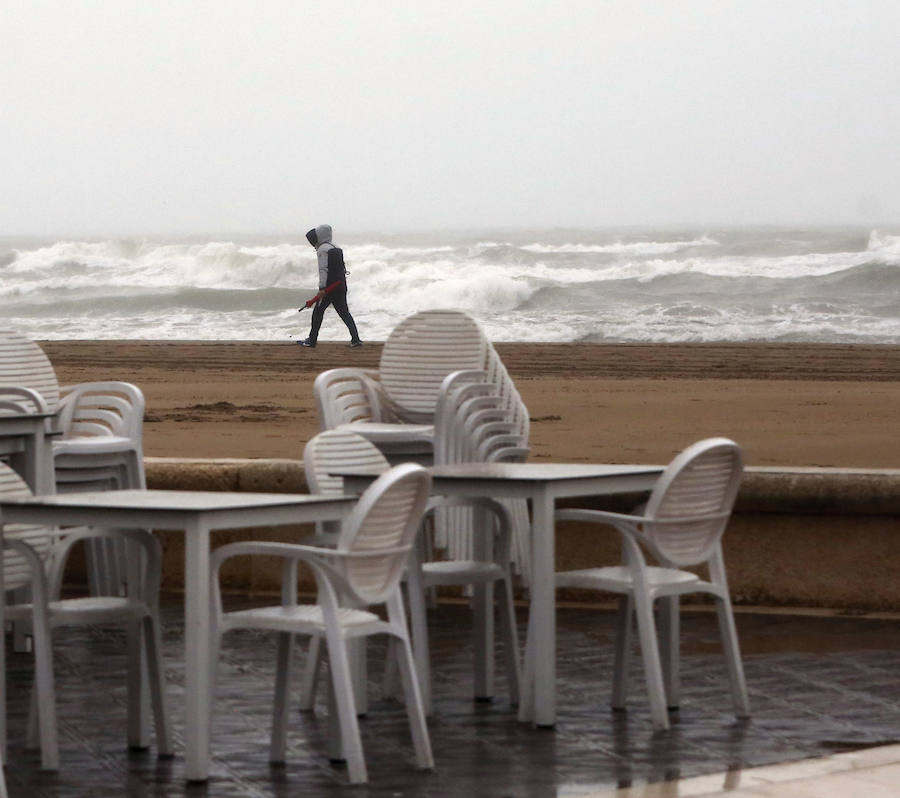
{"x": 787, "y": 404}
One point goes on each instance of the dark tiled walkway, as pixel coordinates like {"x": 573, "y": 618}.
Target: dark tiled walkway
{"x": 818, "y": 685}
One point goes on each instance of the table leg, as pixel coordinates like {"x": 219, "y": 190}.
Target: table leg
{"x": 359, "y": 673}
{"x": 138, "y": 677}
{"x": 542, "y": 616}
{"x": 197, "y": 632}
{"x": 483, "y": 609}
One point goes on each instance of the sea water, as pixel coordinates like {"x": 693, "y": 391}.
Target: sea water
{"x": 760, "y": 284}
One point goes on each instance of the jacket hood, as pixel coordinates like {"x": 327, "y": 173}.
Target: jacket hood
{"x": 323, "y": 234}
{"x": 311, "y": 237}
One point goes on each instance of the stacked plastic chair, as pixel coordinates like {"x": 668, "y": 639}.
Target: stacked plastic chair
{"x": 35, "y": 557}
{"x": 397, "y": 406}
{"x": 481, "y": 419}
{"x": 681, "y": 527}
{"x": 100, "y": 442}
{"x": 394, "y": 405}
{"x": 360, "y": 572}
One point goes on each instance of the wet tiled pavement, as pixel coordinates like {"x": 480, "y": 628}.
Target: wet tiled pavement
{"x": 818, "y": 685}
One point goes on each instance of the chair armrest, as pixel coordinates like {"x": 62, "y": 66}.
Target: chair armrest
{"x": 297, "y": 551}
{"x": 326, "y": 564}
{"x": 627, "y": 525}
{"x": 61, "y": 550}
{"x": 500, "y": 511}
{"x": 15, "y": 393}
{"x": 12, "y": 406}
{"x": 349, "y": 394}
{"x": 598, "y": 516}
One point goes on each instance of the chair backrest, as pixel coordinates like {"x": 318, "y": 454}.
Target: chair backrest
{"x": 692, "y": 501}
{"x": 381, "y": 531}
{"x": 421, "y": 351}
{"x": 345, "y": 395}
{"x": 335, "y": 449}
{"x": 472, "y": 410}
{"x": 23, "y": 363}
{"x": 16, "y": 571}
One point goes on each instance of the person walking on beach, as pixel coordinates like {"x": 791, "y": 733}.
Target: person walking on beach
{"x": 331, "y": 271}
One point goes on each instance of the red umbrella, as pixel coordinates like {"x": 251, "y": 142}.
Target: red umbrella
{"x": 322, "y": 293}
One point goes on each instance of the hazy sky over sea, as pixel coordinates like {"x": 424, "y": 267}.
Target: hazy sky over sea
{"x": 185, "y": 116}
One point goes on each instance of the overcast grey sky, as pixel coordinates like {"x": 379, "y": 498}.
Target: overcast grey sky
{"x": 186, "y": 116}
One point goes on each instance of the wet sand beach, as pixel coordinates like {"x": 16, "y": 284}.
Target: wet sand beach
{"x": 787, "y": 404}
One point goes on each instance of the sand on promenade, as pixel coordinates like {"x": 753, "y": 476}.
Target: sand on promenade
{"x": 787, "y": 404}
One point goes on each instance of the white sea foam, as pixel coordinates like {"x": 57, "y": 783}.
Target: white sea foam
{"x": 622, "y": 248}
{"x": 721, "y": 285}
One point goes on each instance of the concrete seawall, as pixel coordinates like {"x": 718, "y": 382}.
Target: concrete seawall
{"x": 821, "y": 537}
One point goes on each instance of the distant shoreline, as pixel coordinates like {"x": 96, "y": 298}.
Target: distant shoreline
{"x": 719, "y": 360}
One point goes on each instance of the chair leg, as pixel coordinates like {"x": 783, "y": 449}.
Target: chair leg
{"x": 415, "y": 709}
{"x": 94, "y": 567}
{"x": 622, "y": 660}
{"x": 728, "y": 632}
{"x": 358, "y": 654}
{"x": 45, "y": 689}
{"x": 483, "y": 635}
{"x": 345, "y": 704}
{"x": 418, "y": 621}
{"x": 650, "y": 654}
{"x": 670, "y": 648}
{"x": 510, "y": 641}
{"x": 157, "y": 681}
{"x": 311, "y": 674}
{"x": 281, "y": 702}
{"x": 526, "y": 694}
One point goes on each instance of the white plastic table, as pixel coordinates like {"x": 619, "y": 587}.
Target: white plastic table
{"x": 542, "y": 484}
{"x": 197, "y": 514}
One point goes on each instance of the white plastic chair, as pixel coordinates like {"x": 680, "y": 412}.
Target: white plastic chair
{"x": 681, "y": 527}
{"x": 100, "y": 445}
{"x": 35, "y": 556}
{"x": 363, "y": 570}
{"x": 332, "y": 450}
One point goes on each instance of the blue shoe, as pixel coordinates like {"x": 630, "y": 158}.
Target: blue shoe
{"x": 307, "y": 343}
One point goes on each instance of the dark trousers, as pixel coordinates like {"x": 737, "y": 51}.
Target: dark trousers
{"x": 338, "y": 298}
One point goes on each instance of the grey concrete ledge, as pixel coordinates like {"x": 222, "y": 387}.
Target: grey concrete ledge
{"x": 810, "y": 537}
{"x": 263, "y": 475}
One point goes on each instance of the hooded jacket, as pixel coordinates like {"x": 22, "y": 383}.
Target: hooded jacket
{"x": 320, "y": 238}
